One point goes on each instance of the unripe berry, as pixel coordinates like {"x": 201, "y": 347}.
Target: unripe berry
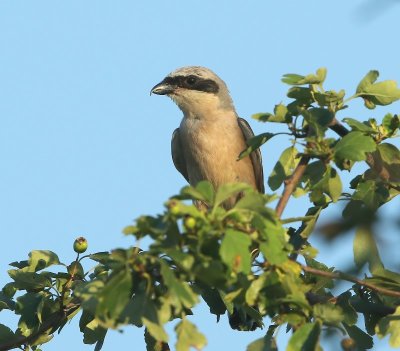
{"x": 80, "y": 245}
{"x": 189, "y": 223}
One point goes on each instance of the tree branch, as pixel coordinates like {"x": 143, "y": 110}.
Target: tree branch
{"x": 291, "y": 183}
{"x": 54, "y": 321}
{"x": 343, "y": 276}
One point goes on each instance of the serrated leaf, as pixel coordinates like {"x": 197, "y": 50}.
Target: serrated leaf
{"x": 235, "y": 251}
{"x": 283, "y": 168}
{"x": 366, "y": 251}
{"x": 354, "y": 147}
{"x": 254, "y": 143}
{"x": 305, "y": 338}
{"x": 188, "y": 336}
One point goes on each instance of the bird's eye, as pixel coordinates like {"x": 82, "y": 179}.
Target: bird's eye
{"x": 191, "y": 80}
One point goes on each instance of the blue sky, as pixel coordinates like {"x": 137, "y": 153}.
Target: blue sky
{"x": 85, "y": 149}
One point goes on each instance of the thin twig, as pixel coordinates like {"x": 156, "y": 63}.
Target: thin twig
{"x": 291, "y": 183}
{"x": 343, "y": 276}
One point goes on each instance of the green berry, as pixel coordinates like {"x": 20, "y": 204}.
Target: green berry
{"x": 80, "y": 245}
{"x": 189, "y": 223}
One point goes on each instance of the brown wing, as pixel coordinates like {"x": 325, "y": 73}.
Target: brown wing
{"x": 255, "y": 156}
{"x": 177, "y": 154}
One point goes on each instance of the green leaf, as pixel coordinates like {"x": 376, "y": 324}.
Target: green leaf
{"x": 382, "y": 93}
{"x": 305, "y": 338}
{"x": 328, "y": 313}
{"x": 226, "y": 191}
{"x": 350, "y": 314}
{"x": 366, "y": 251}
{"x": 179, "y": 289}
{"x": 254, "y": 143}
{"x": 235, "y": 251}
{"x": 274, "y": 247}
{"x": 27, "y": 306}
{"x": 254, "y": 289}
{"x": 188, "y": 336}
{"x": 93, "y": 333}
{"x": 391, "y": 124}
{"x": 41, "y": 259}
{"x": 214, "y": 301}
{"x": 203, "y": 191}
{"x": 29, "y": 280}
{"x": 280, "y": 115}
{"x": 296, "y": 79}
{"x": 267, "y": 343}
{"x": 307, "y": 227}
{"x": 368, "y": 80}
{"x": 115, "y": 296}
{"x": 362, "y": 339}
{"x": 6, "y": 334}
{"x": 354, "y": 147}
{"x": 319, "y": 119}
{"x": 156, "y": 330}
{"x": 359, "y": 126}
{"x": 283, "y": 168}
{"x": 372, "y": 193}
{"x": 292, "y": 78}
{"x": 152, "y": 344}
{"x": 390, "y": 325}
{"x": 6, "y": 302}
{"x": 302, "y": 94}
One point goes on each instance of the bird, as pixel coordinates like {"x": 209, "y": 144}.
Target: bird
{"x": 211, "y": 135}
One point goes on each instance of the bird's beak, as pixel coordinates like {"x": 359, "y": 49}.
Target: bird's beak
{"x": 162, "y": 88}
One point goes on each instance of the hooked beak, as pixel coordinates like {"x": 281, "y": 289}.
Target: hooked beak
{"x": 162, "y": 88}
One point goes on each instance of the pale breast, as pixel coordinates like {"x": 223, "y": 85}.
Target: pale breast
{"x": 211, "y": 149}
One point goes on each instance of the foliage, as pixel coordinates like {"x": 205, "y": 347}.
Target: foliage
{"x": 243, "y": 261}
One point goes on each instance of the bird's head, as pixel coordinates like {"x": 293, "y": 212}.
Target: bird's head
{"x": 196, "y": 90}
